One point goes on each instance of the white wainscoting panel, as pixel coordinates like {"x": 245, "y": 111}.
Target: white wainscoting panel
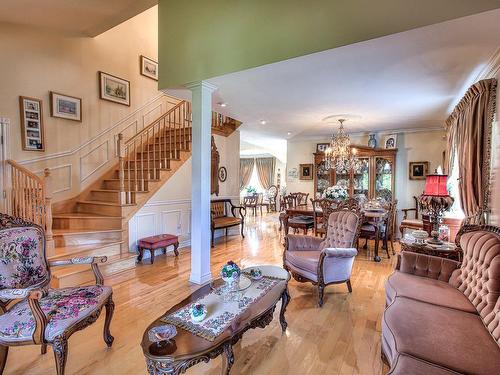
{"x": 172, "y": 217}
{"x": 93, "y": 160}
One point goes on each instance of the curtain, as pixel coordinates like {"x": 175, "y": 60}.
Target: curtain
{"x": 468, "y": 131}
{"x": 265, "y": 171}
{"x": 246, "y": 169}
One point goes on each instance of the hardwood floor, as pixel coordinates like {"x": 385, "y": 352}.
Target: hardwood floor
{"x": 342, "y": 337}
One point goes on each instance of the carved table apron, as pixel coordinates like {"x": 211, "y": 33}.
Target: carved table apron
{"x": 188, "y": 349}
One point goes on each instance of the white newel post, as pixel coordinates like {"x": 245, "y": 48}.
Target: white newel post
{"x": 200, "y": 182}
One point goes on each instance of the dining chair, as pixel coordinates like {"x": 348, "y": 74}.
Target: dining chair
{"x": 386, "y": 229}
{"x": 322, "y": 208}
{"x": 250, "y": 201}
{"x": 270, "y": 200}
{"x": 325, "y": 261}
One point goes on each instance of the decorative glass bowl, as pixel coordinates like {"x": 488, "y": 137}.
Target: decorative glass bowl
{"x": 198, "y": 312}
{"x": 162, "y": 333}
{"x": 420, "y": 236}
{"x": 255, "y": 274}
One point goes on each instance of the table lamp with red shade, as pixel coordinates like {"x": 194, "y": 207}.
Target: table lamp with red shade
{"x": 436, "y": 201}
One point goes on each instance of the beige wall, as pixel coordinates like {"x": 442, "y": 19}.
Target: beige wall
{"x": 35, "y": 62}
{"x": 415, "y": 146}
{"x": 169, "y": 210}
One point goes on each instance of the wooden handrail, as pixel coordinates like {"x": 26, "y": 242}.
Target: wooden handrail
{"x": 31, "y": 197}
{"x": 142, "y": 157}
{"x": 147, "y": 128}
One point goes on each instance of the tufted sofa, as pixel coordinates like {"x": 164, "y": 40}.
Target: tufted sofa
{"x": 443, "y": 317}
{"x": 325, "y": 261}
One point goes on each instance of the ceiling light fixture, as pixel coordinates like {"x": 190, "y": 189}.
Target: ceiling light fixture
{"x": 263, "y": 122}
{"x": 338, "y": 155}
{"x": 222, "y": 104}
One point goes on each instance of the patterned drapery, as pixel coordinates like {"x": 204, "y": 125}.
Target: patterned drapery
{"x": 246, "y": 169}
{"x": 265, "y": 171}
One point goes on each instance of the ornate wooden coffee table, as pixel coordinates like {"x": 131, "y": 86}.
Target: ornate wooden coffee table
{"x": 187, "y": 349}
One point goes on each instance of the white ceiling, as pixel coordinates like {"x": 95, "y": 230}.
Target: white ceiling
{"x": 72, "y": 17}
{"x": 409, "y": 80}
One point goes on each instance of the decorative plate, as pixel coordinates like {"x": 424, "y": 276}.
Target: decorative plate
{"x": 162, "y": 333}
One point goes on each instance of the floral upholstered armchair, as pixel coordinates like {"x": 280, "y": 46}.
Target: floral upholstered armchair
{"x": 325, "y": 261}
{"x": 31, "y": 312}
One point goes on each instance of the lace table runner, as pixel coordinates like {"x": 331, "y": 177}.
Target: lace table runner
{"x": 220, "y": 314}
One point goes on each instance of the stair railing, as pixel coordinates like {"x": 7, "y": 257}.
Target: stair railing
{"x": 30, "y": 197}
{"x": 143, "y": 156}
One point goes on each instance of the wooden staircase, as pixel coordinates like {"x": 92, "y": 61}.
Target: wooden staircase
{"x": 96, "y": 221}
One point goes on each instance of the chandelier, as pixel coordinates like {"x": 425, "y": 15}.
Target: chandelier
{"x": 338, "y": 154}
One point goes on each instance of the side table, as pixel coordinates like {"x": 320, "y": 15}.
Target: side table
{"x": 447, "y": 250}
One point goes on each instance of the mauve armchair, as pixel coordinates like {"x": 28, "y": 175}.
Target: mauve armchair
{"x": 325, "y": 261}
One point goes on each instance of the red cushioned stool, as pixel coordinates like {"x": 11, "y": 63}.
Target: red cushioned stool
{"x": 161, "y": 241}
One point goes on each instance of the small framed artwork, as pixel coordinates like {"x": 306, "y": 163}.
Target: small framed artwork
{"x": 149, "y": 68}
{"x": 390, "y": 141}
{"x": 306, "y": 171}
{"x": 321, "y": 147}
{"x": 32, "y": 132}
{"x": 418, "y": 170}
{"x": 114, "y": 89}
{"x": 65, "y": 106}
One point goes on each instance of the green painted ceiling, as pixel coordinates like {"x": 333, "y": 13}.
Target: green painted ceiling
{"x": 200, "y": 39}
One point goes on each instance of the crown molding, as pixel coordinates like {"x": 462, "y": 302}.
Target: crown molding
{"x": 379, "y": 133}
{"x": 492, "y": 68}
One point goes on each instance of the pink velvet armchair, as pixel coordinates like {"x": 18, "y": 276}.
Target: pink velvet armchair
{"x": 325, "y": 261}
{"x": 31, "y": 312}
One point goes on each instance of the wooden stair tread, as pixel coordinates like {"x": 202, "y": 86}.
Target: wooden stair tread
{"x": 117, "y": 191}
{"x": 82, "y": 215}
{"x": 75, "y": 249}
{"x": 62, "y": 271}
{"x": 106, "y": 203}
{"x": 60, "y": 232}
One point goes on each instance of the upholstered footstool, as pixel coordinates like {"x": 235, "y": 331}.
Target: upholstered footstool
{"x": 161, "y": 241}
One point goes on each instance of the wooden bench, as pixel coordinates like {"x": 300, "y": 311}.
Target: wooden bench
{"x": 161, "y": 241}
{"x": 220, "y": 210}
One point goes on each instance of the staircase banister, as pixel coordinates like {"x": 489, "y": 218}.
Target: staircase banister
{"x": 147, "y": 128}
{"x": 26, "y": 171}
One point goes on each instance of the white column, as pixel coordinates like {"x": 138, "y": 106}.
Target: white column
{"x": 200, "y": 181}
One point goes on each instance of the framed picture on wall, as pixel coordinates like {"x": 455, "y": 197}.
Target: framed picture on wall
{"x": 390, "y": 141}
{"x": 65, "y": 106}
{"x": 149, "y": 68}
{"x": 321, "y": 147}
{"x": 418, "y": 170}
{"x": 114, "y": 89}
{"x": 306, "y": 171}
{"x": 32, "y": 131}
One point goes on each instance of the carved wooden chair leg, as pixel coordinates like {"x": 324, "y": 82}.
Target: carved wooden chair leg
{"x": 285, "y": 299}
{"x": 152, "y": 252}
{"x": 349, "y": 286}
{"x": 60, "y": 348}
{"x": 110, "y": 308}
{"x": 176, "y": 248}
{"x": 321, "y": 292}
{"x": 242, "y": 235}
{"x": 43, "y": 349}
{"x": 4, "y": 351}
{"x": 392, "y": 246}
{"x": 213, "y": 235}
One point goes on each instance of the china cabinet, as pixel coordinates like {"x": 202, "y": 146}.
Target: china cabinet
{"x": 373, "y": 173}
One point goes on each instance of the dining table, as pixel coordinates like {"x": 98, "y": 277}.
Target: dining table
{"x": 375, "y": 217}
